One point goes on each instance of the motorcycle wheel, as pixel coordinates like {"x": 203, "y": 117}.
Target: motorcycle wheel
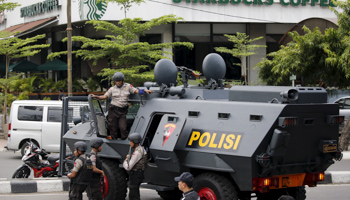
{"x": 22, "y": 172}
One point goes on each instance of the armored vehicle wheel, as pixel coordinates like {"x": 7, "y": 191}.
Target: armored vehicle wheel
{"x": 299, "y": 193}
{"x": 115, "y": 181}
{"x": 170, "y": 195}
{"x": 212, "y": 186}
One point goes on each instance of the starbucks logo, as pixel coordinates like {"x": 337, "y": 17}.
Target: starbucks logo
{"x": 91, "y": 9}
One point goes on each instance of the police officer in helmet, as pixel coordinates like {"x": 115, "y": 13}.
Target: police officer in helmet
{"x": 135, "y": 165}
{"x": 119, "y": 105}
{"x": 82, "y": 172}
{"x": 94, "y": 189}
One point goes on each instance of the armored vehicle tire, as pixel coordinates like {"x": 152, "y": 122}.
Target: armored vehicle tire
{"x": 170, "y": 195}
{"x": 215, "y": 187}
{"x": 297, "y": 192}
{"x": 115, "y": 181}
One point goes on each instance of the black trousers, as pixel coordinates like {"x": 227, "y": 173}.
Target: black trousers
{"x": 94, "y": 190}
{"x": 76, "y": 191}
{"x": 117, "y": 120}
{"x": 135, "y": 180}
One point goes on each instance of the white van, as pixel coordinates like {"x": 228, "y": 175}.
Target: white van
{"x": 39, "y": 120}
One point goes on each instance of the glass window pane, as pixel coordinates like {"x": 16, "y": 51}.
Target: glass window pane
{"x": 228, "y": 28}
{"x": 192, "y": 32}
{"x": 30, "y": 113}
{"x": 55, "y": 114}
{"x": 347, "y": 104}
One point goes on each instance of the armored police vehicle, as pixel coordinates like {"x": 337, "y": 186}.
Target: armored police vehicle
{"x": 241, "y": 142}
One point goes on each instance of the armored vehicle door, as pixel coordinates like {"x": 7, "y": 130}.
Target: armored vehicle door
{"x": 164, "y": 142}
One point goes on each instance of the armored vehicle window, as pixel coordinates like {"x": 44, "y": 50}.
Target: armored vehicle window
{"x": 223, "y": 115}
{"x": 193, "y": 113}
{"x": 55, "y": 114}
{"x": 132, "y": 112}
{"x": 30, "y": 113}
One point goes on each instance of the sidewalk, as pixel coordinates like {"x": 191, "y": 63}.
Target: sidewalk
{"x": 62, "y": 183}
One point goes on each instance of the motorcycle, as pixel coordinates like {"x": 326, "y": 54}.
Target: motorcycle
{"x": 33, "y": 160}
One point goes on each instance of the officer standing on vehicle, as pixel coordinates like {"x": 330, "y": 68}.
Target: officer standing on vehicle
{"x": 119, "y": 105}
{"x": 185, "y": 184}
{"x": 82, "y": 172}
{"x": 94, "y": 189}
{"x": 135, "y": 165}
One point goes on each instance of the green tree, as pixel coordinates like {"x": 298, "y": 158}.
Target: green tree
{"x": 13, "y": 47}
{"x": 312, "y": 57}
{"x": 120, "y": 46}
{"x": 242, "y": 47}
{"x": 125, "y": 4}
{"x": 46, "y": 84}
{"x": 7, "y": 6}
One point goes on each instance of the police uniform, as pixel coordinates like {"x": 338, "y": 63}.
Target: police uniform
{"x": 94, "y": 189}
{"x": 118, "y": 109}
{"x": 190, "y": 195}
{"x": 136, "y": 168}
{"x": 79, "y": 183}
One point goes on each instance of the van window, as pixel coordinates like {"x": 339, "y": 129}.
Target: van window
{"x": 30, "y": 113}
{"x": 54, "y": 114}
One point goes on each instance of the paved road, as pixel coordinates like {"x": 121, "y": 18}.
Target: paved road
{"x": 322, "y": 192}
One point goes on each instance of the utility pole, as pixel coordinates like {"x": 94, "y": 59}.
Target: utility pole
{"x": 69, "y": 47}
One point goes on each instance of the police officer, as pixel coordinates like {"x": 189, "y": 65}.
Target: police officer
{"x": 94, "y": 189}
{"x": 185, "y": 184}
{"x": 119, "y": 105}
{"x": 82, "y": 172}
{"x": 136, "y": 165}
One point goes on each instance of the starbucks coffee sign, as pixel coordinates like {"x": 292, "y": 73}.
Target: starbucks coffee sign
{"x": 39, "y": 8}
{"x": 322, "y": 3}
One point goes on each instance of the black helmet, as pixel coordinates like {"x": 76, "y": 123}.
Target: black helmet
{"x": 135, "y": 138}
{"x": 80, "y": 145}
{"x": 118, "y": 76}
{"x": 96, "y": 142}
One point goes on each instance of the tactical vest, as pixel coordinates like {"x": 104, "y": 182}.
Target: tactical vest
{"x": 98, "y": 166}
{"x": 142, "y": 163}
{"x": 84, "y": 174}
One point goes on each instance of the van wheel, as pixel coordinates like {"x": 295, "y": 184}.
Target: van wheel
{"x": 24, "y": 148}
{"x": 115, "y": 180}
{"x": 212, "y": 186}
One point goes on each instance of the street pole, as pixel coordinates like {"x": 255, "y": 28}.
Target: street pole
{"x": 69, "y": 48}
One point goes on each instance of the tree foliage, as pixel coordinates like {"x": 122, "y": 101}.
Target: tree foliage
{"x": 242, "y": 47}
{"x": 7, "y": 5}
{"x": 120, "y": 46}
{"x": 13, "y": 47}
{"x": 314, "y": 57}
{"x": 125, "y": 4}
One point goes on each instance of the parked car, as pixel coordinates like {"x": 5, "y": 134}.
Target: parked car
{"x": 38, "y": 120}
{"x": 344, "y": 107}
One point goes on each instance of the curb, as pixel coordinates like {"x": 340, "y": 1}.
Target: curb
{"x": 33, "y": 185}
